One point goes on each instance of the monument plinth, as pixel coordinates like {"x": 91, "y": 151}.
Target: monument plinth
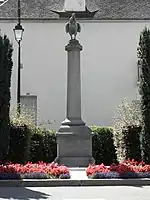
{"x": 74, "y": 139}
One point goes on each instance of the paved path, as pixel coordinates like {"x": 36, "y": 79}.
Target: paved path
{"x": 76, "y": 193}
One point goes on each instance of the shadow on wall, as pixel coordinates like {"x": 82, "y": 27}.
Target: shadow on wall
{"x": 21, "y": 193}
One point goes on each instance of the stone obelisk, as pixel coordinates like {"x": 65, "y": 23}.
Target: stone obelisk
{"x": 74, "y": 138}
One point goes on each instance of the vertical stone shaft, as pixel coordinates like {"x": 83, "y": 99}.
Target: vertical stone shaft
{"x": 73, "y": 115}
{"x": 73, "y": 82}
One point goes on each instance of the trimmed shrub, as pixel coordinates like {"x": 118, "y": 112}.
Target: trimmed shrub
{"x": 127, "y": 128}
{"x": 40, "y": 145}
{"x": 21, "y": 131}
{"x": 103, "y": 147}
{"x": 19, "y": 144}
{"x": 132, "y": 142}
{"x": 43, "y": 146}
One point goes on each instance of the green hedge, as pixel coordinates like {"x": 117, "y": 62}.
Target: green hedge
{"x": 42, "y": 146}
{"x": 19, "y": 143}
{"x": 103, "y": 147}
{"x": 132, "y": 142}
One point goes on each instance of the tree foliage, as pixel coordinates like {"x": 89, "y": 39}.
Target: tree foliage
{"x": 144, "y": 64}
{"x": 5, "y": 83}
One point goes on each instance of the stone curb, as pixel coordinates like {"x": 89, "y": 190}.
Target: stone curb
{"x": 39, "y": 183}
{"x": 69, "y": 182}
{"x": 115, "y": 182}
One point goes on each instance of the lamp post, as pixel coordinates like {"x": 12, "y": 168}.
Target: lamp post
{"x": 18, "y": 32}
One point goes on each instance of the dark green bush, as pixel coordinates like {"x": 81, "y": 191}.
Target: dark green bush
{"x": 5, "y": 83}
{"x": 132, "y": 142}
{"x": 103, "y": 147}
{"x": 43, "y": 146}
{"x": 19, "y": 144}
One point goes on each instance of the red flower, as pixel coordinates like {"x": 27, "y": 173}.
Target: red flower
{"x": 126, "y": 166}
{"x": 51, "y": 168}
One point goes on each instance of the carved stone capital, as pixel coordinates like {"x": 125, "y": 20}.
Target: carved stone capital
{"x": 73, "y": 45}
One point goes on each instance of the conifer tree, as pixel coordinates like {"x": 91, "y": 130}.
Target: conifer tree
{"x": 144, "y": 65}
{"x": 5, "y": 83}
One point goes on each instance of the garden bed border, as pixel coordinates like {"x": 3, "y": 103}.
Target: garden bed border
{"x": 70, "y": 182}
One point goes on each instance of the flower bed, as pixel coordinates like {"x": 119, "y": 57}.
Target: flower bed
{"x": 39, "y": 170}
{"x": 125, "y": 170}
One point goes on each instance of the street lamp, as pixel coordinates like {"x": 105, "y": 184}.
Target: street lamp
{"x": 18, "y": 32}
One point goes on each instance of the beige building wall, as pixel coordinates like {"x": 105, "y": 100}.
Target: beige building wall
{"x": 108, "y": 66}
{"x": 29, "y": 106}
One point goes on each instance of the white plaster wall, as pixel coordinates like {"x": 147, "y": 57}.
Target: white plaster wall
{"x": 108, "y": 65}
{"x": 29, "y": 106}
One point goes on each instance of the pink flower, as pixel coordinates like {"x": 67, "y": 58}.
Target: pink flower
{"x": 51, "y": 168}
{"x": 126, "y": 166}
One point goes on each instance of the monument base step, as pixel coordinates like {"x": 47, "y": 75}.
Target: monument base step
{"x": 78, "y": 173}
{"x": 73, "y": 161}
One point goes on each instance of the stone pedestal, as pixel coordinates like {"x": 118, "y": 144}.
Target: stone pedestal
{"x": 74, "y": 139}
